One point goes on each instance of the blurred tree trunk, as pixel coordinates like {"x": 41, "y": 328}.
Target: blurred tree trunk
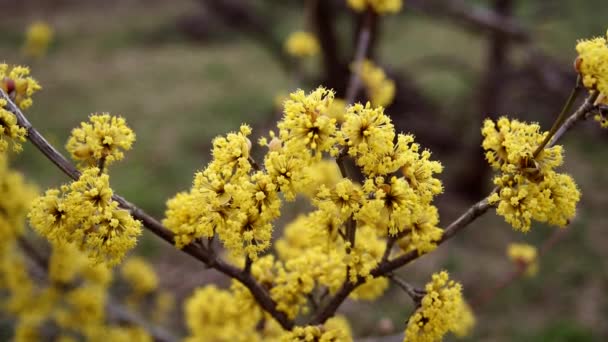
{"x": 475, "y": 182}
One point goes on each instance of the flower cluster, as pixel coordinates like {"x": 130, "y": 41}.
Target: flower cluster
{"x": 16, "y": 82}
{"x": 380, "y": 89}
{"x": 84, "y": 213}
{"x": 38, "y": 37}
{"x": 592, "y": 63}
{"x": 101, "y": 141}
{"x": 378, "y": 6}
{"x": 213, "y": 314}
{"x": 302, "y": 44}
{"x": 400, "y": 183}
{"x": 72, "y": 302}
{"x": 15, "y": 198}
{"x": 10, "y": 131}
{"x": 140, "y": 276}
{"x": 524, "y": 256}
{"x": 529, "y": 187}
{"x": 442, "y": 309}
{"x": 336, "y": 329}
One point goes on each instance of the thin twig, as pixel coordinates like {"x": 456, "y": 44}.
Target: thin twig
{"x": 579, "y": 115}
{"x": 561, "y": 117}
{"x": 491, "y": 293}
{"x": 259, "y": 293}
{"x": 363, "y": 41}
{"x": 415, "y": 294}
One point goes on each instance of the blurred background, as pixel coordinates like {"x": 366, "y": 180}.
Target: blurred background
{"x": 184, "y": 71}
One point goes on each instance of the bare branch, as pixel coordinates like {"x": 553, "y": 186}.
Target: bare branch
{"x": 579, "y": 115}
{"x": 415, "y": 294}
{"x": 363, "y": 41}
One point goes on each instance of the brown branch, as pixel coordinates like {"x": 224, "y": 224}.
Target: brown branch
{"x": 365, "y": 36}
{"x": 415, "y": 294}
{"x": 259, "y": 293}
{"x": 579, "y": 115}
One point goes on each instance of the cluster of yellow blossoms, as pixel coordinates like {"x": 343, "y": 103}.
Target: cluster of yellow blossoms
{"x": 378, "y": 6}
{"x": 84, "y": 212}
{"x": 302, "y": 44}
{"x": 524, "y": 256}
{"x": 380, "y": 89}
{"x": 237, "y": 200}
{"x": 67, "y": 296}
{"x": 15, "y": 198}
{"x": 219, "y": 315}
{"x": 592, "y": 63}
{"x": 104, "y": 138}
{"x": 442, "y": 309}
{"x": 18, "y": 85}
{"x": 529, "y": 187}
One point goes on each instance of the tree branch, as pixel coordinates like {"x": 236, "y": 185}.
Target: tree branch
{"x": 363, "y": 41}
{"x": 259, "y": 293}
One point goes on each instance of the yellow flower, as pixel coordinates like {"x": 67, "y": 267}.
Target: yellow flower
{"x": 15, "y": 198}
{"x": 529, "y": 187}
{"x": 231, "y": 153}
{"x": 215, "y": 315}
{"x": 337, "y": 110}
{"x": 302, "y": 44}
{"x": 510, "y": 145}
{"x": 592, "y": 63}
{"x": 104, "y": 137}
{"x": 423, "y": 235}
{"x": 369, "y": 135}
{"x": 37, "y": 39}
{"x": 334, "y": 330}
{"x": 342, "y": 200}
{"x": 380, "y": 89}
{"x": 19, "y": 86}
{"x": 10, "y": 131}
{"x": 525, "y": 256}
{"x": 85, "y": 214}
{"x": 392, "y": 207}
{"x": 442, "y": 309}
{"x": 306, "y": 123}
{"x": 378, "y": 6}
{"x": 139, "y": 275}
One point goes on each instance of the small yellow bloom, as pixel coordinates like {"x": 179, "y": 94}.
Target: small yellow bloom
{"x": 442, "y": 309}
{"x": 38, "y": 37}
{"x": 525, "y": 256}
{"x": 302, "y": 44}
{"x": 140, "y": 275}
{"x": 104, "y": 137}
{"x": 380, "y": 89}
{"x": 378, "y": 6}
{"x": 335, "y": 329}
{"x": 10, "y": 131}
{"x": 592, "y": 63}
{"x": 19, "y": 86}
